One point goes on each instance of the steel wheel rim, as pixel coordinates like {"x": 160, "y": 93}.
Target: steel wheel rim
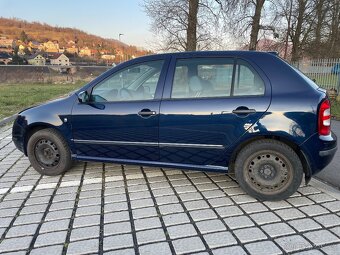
{"x": 268, "y": 172}
{"x": 47, "y": 153}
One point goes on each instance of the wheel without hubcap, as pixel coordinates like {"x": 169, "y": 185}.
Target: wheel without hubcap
{"x": 268, "y": 170}
{"x": 48, "y": 152}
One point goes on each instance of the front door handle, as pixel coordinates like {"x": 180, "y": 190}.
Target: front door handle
{"x": 146, "y": 113}
{"x": 243, "y": 111}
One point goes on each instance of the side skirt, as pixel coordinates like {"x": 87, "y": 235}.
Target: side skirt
{"x": 210, "y": 168}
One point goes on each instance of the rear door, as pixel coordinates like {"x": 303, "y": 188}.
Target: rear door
{"x": 208, "y": 103}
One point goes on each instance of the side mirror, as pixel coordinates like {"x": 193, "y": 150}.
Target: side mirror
{"x": 83, "y": 97}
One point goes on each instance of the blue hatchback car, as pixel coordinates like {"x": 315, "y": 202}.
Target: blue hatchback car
{"x": 245, "y": 113}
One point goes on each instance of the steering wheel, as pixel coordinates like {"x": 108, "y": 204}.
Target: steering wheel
{"x": 124, "y": 93}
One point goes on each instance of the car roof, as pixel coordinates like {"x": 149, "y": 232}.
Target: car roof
{"x": 235, "y": 53}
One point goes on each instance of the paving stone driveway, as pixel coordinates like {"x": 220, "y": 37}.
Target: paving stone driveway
{"x": 113, "y": 209}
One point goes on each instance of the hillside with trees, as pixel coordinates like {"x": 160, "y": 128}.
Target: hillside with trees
{"x": 41, "y": 32}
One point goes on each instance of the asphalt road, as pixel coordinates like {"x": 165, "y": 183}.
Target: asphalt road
{"x": 331, "y": 173}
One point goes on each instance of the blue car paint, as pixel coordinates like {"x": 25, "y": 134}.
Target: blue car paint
{"x": 287, "y": 112}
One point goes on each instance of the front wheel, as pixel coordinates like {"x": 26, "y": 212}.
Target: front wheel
{"x": 268, "y": 170}
{"x": 48, "y": 152}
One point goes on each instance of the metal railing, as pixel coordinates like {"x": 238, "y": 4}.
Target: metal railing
{"x": 325, "y": 72}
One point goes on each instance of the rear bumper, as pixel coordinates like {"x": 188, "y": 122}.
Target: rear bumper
{"x": 319, "y": 151}
{"x": 330, "y": 152}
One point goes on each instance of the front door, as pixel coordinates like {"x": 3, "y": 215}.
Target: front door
{"x": 212, "y": 102}
{"x": 121, "y": 119}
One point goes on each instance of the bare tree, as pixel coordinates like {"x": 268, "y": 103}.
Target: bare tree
{"x": 184, "y": 24}
{"x": 246, "y": 18}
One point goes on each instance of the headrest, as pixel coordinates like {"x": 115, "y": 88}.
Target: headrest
{"x": 195, "y": 84}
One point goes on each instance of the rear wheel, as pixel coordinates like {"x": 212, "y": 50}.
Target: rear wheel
{"x": 48, "y": 152}
{"x": 268, "y": 170}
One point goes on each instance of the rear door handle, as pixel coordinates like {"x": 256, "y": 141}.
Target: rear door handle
{"x": 146, "y": 113}
{"x": 243, "y": 111}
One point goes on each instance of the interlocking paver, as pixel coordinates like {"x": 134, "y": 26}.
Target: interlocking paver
{"x": 204, "y": 214}
{"x": 264, "y": 218}
{"x": 149, "y": 236}
{"x": 329, "y": 220}
{"x": 313, "y": 210}
{"x": 238, "y": 222}
{"x": 321, "y": 237}
{"x": 215, "y": 240}
{"x": 291, "y": 213}
{"x": 170, "y": 209}
{"x": 188, "y": 245}
{"x": 15, "y": 244}
{"x": 246, "y": 235}
{"x": 22, "y": 230}
{"x": 293, "y": 243}
{"x": 181, "y": 231}
{"x": 50, "y": 250}
{"x": 82, "y": 247}
{"x": 332, "y": 206}
{"x": 117, "y": 242}
{"x": 331, "y": 249}
{"x": 278, "y": 229}
{"x": 302, "y": 225}
{"x": 174, "y": 219}
{"x": 84, "y": 233}
{"x": 263, "y": 248}
{"x": 209, "y": 226}
{"x": 51, "y": 238}
{"x": 235, "y": 250}
{"x": 254, "y": 207}
{"x": 117, "y": 228}
{"x": 154, "y": 211}
{"x": 155, "y": 249}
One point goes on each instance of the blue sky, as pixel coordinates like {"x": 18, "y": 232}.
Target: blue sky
{"x": 106, "y": 18}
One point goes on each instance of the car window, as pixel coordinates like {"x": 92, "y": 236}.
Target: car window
{"x": 247, "y": 81}
{"x": 196, "y": 78}
{"x": 137, "y": 82}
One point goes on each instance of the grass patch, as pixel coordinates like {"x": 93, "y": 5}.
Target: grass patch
{"x": 335, "y": 105}
{"x": 16, "y": 97}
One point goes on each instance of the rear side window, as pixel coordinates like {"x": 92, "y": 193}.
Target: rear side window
{"x": 195, "y": 78}
{"x": 247, "y": 81}
{"x": 215, "y": 77}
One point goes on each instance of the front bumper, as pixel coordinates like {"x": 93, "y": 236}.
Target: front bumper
{"x": 18, "y": 133}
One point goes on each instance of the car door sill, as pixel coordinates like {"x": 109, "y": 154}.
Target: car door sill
{"x": 152, "y": 163}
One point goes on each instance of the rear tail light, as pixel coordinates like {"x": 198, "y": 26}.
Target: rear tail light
{"x": 324, "y": 127}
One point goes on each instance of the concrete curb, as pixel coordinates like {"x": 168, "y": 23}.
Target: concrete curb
{"x": 326, "y": 188}
{"x": 7, "y": 120}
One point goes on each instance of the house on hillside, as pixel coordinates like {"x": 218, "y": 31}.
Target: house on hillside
{"x": 108, "y": 57}
{"x": 5, "y": 58}
{"x": 7, "y": 43}
{"x": 85, "y": 52}
{"x": 59, "y": 59}
{"x": 36, "y": 60}
{"x": 73, "y": 49}
{"x": 51, "y": 46}
{"x": 33, "y": 46}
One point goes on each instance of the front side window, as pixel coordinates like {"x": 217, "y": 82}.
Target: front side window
{"x": 197, "y": 78}
{"x": 137, "y": 82}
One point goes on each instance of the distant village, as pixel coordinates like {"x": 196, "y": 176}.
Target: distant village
{"x": 17, "y": 52}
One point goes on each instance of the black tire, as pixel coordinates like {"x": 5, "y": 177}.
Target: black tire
{"x": 268, "y": 170}
{"x": 49, "y": 152}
